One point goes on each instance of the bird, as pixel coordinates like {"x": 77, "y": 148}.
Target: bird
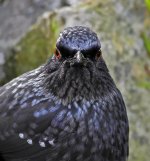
{"x": 68, "y": 109}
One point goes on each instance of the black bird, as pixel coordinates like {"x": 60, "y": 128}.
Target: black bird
{"x": 68, "y": 109}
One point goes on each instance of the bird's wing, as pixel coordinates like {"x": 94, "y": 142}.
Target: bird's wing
{"x": 26, "y": 111}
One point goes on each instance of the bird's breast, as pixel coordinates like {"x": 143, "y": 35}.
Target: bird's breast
{"x": 84, "y": 121}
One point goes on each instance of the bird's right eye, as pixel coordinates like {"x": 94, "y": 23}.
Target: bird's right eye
{"x": 66, "y": 53}
{"x": 57, "y": 53}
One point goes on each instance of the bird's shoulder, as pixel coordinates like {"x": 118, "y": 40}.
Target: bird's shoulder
{"x": 26, "y": 108}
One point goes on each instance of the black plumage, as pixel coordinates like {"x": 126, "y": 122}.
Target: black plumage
{"x": 68, "y": 109}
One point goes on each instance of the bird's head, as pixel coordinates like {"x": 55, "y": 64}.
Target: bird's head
{"x": 77, "y": 64}
{"x": 78, "y": 44}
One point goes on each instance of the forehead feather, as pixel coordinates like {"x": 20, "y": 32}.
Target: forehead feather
{"x": 78, "y": 38}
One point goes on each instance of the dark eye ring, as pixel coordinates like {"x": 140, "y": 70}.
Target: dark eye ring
{"x": 57, "y": 53}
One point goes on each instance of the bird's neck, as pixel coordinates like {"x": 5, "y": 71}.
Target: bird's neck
{"x": 76, "y": 84}
{"x": 79, "y": 88}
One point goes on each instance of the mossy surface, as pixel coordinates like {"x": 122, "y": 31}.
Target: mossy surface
{"x": 34, "y": 48}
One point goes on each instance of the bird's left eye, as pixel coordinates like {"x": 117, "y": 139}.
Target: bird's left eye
{"x": 98, "y": 54}
{"x": 92, "y": 54}
{"x": 57, "y": 54}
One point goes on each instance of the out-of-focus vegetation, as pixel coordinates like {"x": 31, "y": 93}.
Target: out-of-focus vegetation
{"x": 1, "y": 1}
{"x": 147, "y": 2}
{"x": 146, "y": 33}
{"x": 146, "y": 40}
{"x": 37, "y": 45}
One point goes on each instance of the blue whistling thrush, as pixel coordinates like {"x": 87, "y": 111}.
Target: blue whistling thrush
{"x": 68, "y": 109}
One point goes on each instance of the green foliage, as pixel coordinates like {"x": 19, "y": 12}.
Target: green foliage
{"x": 146, "y": 43}
{"x": 144, "y": 84}
{"x": 147, "y": 2}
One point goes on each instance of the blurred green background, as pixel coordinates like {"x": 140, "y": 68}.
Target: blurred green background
{"x": 29, "y": 29}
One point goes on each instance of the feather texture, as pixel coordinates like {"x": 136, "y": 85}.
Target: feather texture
{"x": 64, "y": 112}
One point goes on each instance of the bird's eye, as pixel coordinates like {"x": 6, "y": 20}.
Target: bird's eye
{"x": 98, "y": 54}
{"x": 57, "y": 54}
{"x": 92, "y": 54}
